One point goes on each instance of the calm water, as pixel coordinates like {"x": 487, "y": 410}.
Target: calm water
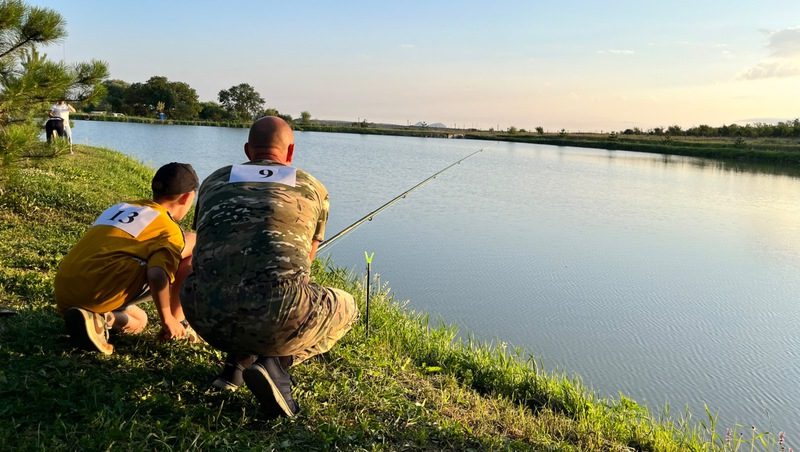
{"x": 668, "y": 279}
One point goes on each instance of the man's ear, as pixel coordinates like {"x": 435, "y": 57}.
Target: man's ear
{"x": 247, "y": 151}
{"x": 290, "y": 153}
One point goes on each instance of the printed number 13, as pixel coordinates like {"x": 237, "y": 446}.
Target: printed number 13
{"x": 128, "y": 219}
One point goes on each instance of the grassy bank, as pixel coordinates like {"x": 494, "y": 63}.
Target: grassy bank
{"x": 755, "y": 150}
{"x": 406, "y": 387}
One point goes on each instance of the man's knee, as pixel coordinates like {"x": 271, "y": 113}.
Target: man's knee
{"x": 346, "y": 308}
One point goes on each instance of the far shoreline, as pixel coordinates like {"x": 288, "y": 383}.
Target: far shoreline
{"x": 747, "y": 150}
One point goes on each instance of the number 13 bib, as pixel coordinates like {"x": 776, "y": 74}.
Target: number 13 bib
{"x": 128, "y": 217}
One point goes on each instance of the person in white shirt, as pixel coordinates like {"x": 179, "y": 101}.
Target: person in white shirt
{"x": 62, "y": 110}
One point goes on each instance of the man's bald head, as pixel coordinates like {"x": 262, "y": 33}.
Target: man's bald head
{"x": 270, "y": 138}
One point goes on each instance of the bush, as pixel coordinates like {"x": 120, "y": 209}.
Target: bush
{"x": 17, "y": 140}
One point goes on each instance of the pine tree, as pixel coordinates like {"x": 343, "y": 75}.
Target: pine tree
{"x": 29, "y": 82}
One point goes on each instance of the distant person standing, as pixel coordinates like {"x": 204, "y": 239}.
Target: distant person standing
{"x": 54, "y": 125}
{"x": 60, "y": 110}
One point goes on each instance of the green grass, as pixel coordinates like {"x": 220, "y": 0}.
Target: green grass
{"x": 409, "y": 386}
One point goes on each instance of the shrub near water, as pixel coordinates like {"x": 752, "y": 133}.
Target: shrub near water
{"x": 406, "y": 387}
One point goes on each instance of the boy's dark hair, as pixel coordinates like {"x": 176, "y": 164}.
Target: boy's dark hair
{"x": 174, "y": 179}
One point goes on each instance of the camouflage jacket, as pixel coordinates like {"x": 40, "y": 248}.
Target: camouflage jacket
{"x": 255, "y": 223}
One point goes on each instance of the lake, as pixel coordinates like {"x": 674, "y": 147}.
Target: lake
{"x": 671, "y": 280}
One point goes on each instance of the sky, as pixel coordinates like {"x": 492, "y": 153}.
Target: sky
{"x": 574, "y": 65}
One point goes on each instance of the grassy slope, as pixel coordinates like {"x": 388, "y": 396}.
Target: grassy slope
{"x": 406, "y": 387}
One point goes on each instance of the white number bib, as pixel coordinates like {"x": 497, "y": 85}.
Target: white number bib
{"x": 285, "y": 175}
{"x": 128, "y": 217}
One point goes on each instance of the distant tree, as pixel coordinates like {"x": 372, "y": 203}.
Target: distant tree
{"x": 540, "y": 130}
{"x": 186, "y": 103}
{"x": 212, "y": 111}
{"x": 242, "y": 100}
{"x": 562, "y": 132}
{"x": 674, "y": 130}
{"x": 782, "y": 129}
{"x": 702, "y": 130}
{"x": 274, "y": 112}
{"x": 305, "y": 116}
{"x": 111, "y": 97}
{"x": 512, "y": 130}
{"x": 114, "y": 99}
{"x": 29, "y": 82}
{"x": 180, "y": 100}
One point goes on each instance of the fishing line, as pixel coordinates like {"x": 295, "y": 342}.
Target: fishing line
{"x": 368, "y": 217}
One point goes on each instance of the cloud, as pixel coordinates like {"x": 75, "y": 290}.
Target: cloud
{"x": 407, "y": 46}
{"x": 784, "y": 57}
{"x": 772, "y": 68}
{"x": 616, "y": 52}
{"x": 785, "y": 43}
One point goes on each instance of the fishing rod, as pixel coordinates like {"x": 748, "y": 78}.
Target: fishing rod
{"x": 368, "y": 217}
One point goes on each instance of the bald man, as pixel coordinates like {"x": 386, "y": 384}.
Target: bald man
{"x": 258, "y": 227}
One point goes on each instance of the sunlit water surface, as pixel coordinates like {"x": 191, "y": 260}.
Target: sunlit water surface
{"x": 670, "y": 280}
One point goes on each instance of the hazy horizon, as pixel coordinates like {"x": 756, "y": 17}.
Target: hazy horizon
{"x": 573, "y": 65}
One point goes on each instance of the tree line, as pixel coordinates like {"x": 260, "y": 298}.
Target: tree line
{"x": 782, "y": 129}
{"x": 160, "y": 97}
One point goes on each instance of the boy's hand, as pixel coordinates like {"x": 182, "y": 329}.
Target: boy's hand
{"x": 171, "y": 329}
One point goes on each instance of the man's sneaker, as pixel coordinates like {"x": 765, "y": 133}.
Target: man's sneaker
{"x": 272, "y": 386}
{"x": 231, "y": 376}
{"x": 88, "y": 330}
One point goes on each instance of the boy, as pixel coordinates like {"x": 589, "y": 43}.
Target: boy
{"x": 131, "y": 248}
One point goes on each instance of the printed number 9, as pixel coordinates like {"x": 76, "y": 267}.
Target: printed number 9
{"x": 266, "y": 172}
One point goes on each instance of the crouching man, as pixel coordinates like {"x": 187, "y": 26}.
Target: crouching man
{"x": 249, "y": 294}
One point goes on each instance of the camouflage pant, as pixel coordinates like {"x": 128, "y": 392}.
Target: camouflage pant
{"x": 285, "y": 319}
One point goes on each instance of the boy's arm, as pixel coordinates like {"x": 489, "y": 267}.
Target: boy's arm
{"x": 159, "y": 287}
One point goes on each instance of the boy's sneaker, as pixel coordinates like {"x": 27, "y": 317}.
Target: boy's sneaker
{"x": 88, "y": 330}
{"x": 272, "y": 386}
{"x": 221, "y": 384}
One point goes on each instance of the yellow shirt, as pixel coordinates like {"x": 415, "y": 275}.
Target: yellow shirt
{"x": 108, "y": 266}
